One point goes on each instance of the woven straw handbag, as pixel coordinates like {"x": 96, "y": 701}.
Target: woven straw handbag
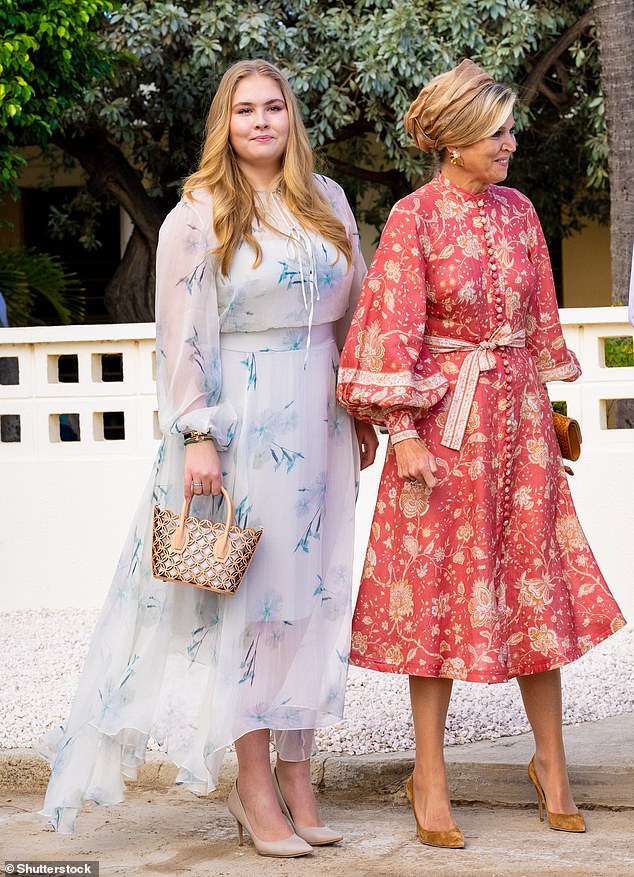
{"x": 568, "y": 434}
{"x": 208, "y": 555}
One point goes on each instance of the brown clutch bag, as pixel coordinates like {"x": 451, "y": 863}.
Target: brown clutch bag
{"x": 208, "y": 555}
{"x": 568, "y": 434}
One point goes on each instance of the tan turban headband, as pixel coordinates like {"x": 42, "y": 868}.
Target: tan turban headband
{"x": 429, "y": 118}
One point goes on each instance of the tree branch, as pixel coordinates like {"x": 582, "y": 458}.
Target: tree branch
{"x": 110, "y": 173}
{"x": 534, "y": 83}
{"x": 358, "y": 129}
{"x": 382, "y": 178}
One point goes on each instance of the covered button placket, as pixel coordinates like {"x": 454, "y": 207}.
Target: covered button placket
{"x": 499, "y": 299}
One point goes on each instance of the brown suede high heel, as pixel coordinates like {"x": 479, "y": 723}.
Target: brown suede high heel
{"x": 452, "y": 839}
{"x": 557, "y": 821}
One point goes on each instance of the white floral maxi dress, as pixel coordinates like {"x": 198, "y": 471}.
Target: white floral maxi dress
{"x": 252, "y": 359}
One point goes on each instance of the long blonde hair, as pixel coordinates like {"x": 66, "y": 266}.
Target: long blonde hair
{"x": 234, "y": 205}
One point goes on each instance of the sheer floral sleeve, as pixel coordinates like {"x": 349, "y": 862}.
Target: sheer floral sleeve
{"x": 342, "y": 211}
{"x": 188, "y": 373}
{"x": 386, "y": 375}
{"x": 544, "y": 337}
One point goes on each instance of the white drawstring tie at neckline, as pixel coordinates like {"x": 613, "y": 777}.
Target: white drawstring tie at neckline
{"x": 299, "y": 244}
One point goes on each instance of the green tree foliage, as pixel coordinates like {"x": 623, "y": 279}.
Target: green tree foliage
{"x": 355, "y": 65}
{"x": 619, "y": 352}
{"x": 36, "y": 283}
{"x": 48, "y": 52}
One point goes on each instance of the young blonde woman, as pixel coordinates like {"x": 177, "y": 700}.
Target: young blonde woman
{"x": 477, "y": 567}
{"x": 258, "y": 270}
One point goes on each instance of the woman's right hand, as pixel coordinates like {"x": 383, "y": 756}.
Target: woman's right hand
{"x": 415, "y": 462}
{"x": 203, "y": 473}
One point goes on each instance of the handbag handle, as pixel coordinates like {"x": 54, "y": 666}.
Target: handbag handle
{"x": 221, "y": 547}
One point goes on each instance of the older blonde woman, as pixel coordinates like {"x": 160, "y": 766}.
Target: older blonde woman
{"x": 258, "y": 270}
{"x": 477, "y": 567}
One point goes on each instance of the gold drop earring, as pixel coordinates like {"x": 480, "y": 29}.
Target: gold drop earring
{"x": 455, "y": 157}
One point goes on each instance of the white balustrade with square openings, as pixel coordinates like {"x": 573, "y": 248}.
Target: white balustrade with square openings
{"x": 79, "y": 431}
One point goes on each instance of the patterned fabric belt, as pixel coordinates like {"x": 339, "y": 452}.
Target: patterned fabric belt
{"x": 480, "y": 358}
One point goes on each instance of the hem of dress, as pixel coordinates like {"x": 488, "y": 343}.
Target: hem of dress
{"x": 62, "y": 819}
{"x": 511, "y": 672}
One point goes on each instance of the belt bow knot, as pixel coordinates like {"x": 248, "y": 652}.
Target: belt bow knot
{"x": 479, "y": 358}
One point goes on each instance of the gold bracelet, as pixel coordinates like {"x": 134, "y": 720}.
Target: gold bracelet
{"x": 197, "y": 441}
{"x": 195, "y": 434}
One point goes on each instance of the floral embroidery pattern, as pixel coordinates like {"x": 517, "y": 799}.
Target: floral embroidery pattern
{"x": 488, "y": 575}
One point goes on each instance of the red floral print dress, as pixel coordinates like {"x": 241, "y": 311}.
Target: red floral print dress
{"x": 488, "y": 575}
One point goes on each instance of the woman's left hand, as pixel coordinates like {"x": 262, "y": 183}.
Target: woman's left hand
{"x": 368, "y": 442}
{"x": 202, "y": 471}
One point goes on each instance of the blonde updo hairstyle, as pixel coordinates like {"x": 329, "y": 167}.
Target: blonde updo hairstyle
{"x": 457, "y": 109}
{"x": 235, "y": 209}
{"x": 481, "y": 117}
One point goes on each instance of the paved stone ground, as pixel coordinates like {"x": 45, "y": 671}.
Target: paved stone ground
{"x": 163, "y": 830}
{"x": 175, "y": 833}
